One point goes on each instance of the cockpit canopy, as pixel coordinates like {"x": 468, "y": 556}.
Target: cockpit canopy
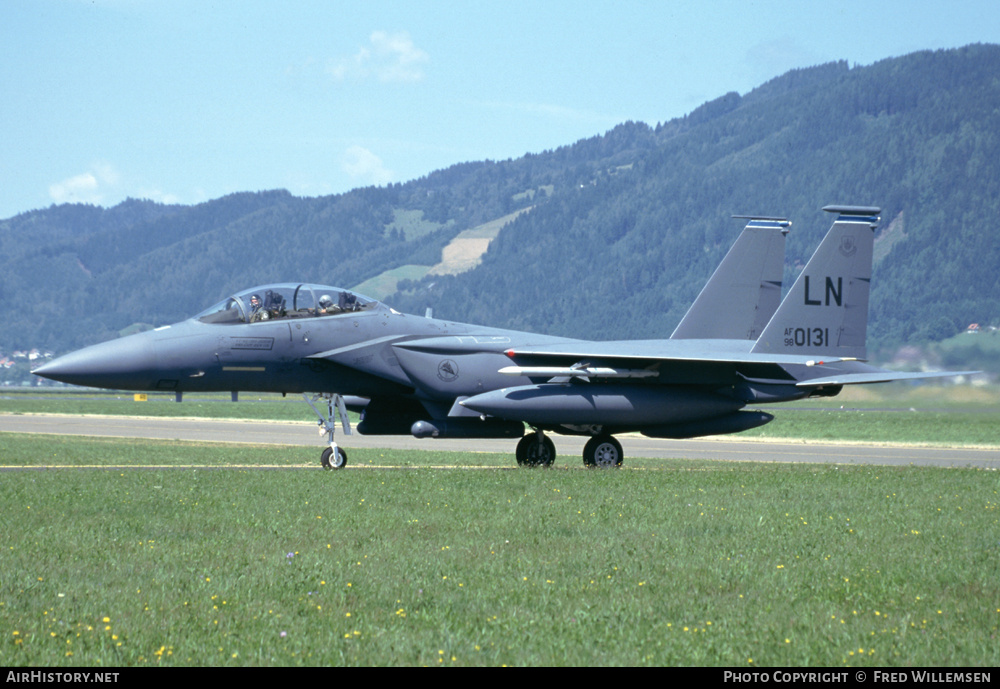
{"x": 284, "y": 301}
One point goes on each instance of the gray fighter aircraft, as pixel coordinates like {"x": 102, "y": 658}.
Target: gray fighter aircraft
{"x": 432, "y": 378}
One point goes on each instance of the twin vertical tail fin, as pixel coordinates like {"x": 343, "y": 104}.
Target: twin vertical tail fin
{"x": 826, "y": 310}
{"x": 745, "y": 290}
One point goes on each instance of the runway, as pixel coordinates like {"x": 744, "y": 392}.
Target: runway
{"x": 569, "y": 448}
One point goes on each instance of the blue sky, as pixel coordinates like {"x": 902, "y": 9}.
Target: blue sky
{"x": 183, "y": 101}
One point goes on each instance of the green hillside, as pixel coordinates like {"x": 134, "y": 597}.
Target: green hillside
{"x": 624, "y": 251}
{"x": 623, "y": 231}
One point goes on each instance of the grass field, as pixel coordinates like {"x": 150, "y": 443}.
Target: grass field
{"x": 205, "y": 554}
{"x": 696, "y": 563}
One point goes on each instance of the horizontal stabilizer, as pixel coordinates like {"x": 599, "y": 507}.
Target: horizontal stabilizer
{"x": 878, "y": 377}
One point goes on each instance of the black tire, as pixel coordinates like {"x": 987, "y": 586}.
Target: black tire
{"x": 339, "y": 463}
{"x": 602, "y": 451}
{"x": 535, "y": 451}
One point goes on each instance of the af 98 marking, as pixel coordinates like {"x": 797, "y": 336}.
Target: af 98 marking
{"x": 807, "y": 337}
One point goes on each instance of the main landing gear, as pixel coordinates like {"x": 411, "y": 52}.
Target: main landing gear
{"x": 602, "y": 451}
{"x": 333, "y": 457}
{"x": 537, "y": 450}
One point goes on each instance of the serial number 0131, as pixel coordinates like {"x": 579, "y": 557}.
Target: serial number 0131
{"x": 807, "y": 337}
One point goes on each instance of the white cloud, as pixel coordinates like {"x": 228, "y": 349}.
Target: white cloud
{"x": 81, "y": 188}
{"x": 388, "y": 58}
{"x": 159, "y": 196}
{"x": 102, "y": 185}
{"x": 362, "y": 164}
{"x": 91, "y": 186}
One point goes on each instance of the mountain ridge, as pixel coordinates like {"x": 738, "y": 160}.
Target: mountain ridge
{"x": 624, "y": 230}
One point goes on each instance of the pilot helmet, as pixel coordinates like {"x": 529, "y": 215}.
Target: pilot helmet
{"x": 325, "y": 301}
{"x": 255, "y": 300}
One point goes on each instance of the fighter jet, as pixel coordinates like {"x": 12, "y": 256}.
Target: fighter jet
{"x": 433, "y": 378}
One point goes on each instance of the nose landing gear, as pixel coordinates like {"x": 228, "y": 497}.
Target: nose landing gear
{"x": 333, "y": 457}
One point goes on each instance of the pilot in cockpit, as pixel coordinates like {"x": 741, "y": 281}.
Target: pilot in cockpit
{"x": 324, "y": 306}
{"x": 257, "y": 311}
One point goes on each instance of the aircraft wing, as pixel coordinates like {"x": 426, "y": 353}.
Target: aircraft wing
{"x": 665, "y": 351}
{"x": 639, "y": 359}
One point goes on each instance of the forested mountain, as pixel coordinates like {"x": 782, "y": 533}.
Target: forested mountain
{"x": 623, "y": 228}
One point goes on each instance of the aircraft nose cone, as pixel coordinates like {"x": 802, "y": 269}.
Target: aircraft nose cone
{"x": 126, "y": 364}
